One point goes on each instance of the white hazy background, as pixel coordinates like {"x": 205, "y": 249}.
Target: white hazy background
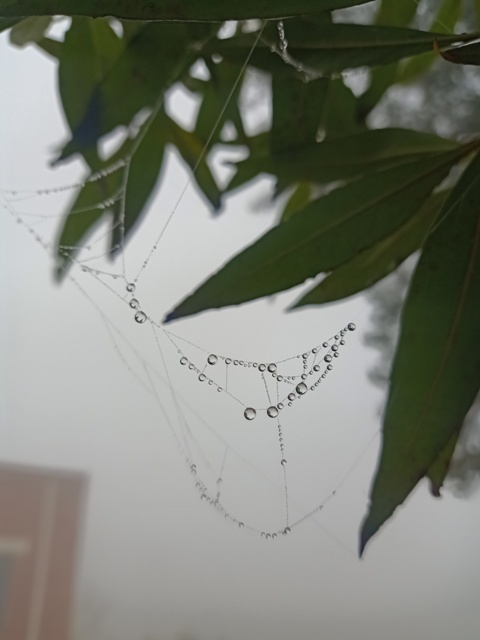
{"x": 156, "y": 562}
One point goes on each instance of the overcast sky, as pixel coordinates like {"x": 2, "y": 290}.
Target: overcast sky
{"x": 157, "y": 562}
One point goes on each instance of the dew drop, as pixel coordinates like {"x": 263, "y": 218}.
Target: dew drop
{"x": 316, "y": 367}
{"x": 286, "y": 531}
{"x": 268, "y": 536}
{"x": 241, "y": 525}
{"x": 272, "y": 412}
{"x": 291, "y": 397}
{"x": 261, "y": 367}
{"x": 203, "y": 496}
{"x": 325, "y": 345}
{"x": 250, "y": 413}
{"x": 274, "y": 535}
{"x": 255, "y": 365}
{"x": 342, "y": 342}
{"x": 184, "y": 360}
{"x": 351, "y": 326}
{"x": 241, "y": 363}
{"x": 228, "y": 361}
{"x": 329, "y": 367}
{"x": 193, "y": 468}
{"x": 130, "y": 287}
{"x": 235, "y": 362}
{"x": 280, "y": 406}
{"x": 140, "y": 317}
{"x": 133, "y": 303}
{"x": 312, "y": 388}
{"x": 328, "y": 358}
{"x": 301, "y": 388}
{"x": 219, "y": 389}
{"x": 314, "y": 350}
{"x": 336, "y": 355}
{"x": 212, "y": 359}
{"x": 334, "y": 347}
{"x": 272, "y": 367}
{"x": 283, "y": 462}
{"x": 191, "y": 367}
{"x": 304, "y": 376}
{"x": 305, "y": 356}
{"x": 280, "y": 378}
{"x": 202, "y": 377}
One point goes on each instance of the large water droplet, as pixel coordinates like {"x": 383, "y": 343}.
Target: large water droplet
{"x": 130, "y": 287}
{"x": 183, "y": 360}
{"x": 351, "y": 326}
{"x": 250, "y": 413}
{"x": 261, "y": 367}
{"x": 140, "y": 317}
{"x": 212, "y": 359}
{"x": 328, "y": 358}
{"x": 316, "y": 367}
{"x": 133, "y": 303}
{"x": 272, "y": 367}
{"x": 334, "y": 347}
{"x": 301, "y": 388}
{"x": 272, "y": 412}
{"x": 291, "y": 397}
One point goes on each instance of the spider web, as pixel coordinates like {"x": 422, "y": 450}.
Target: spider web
{"x": 241, "y": 418}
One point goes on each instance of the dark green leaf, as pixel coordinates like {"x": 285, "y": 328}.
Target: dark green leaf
{"x": 334, "y": 47}
{"x": 340, "y": 158}
{"x": 297, "y": 201}
{"x": 437, "y": 472}
{"x": 329, "y": 232}
{"x": 51, "y": 47}
{"x": 340, "y": 115}
{"x": 378, "y": 261}
{"x": 191, "y": 147}
{"x": 436, "y": 371}
{"x": 207, "y": 10}
{"x": 296, "y": 111}
{"x": 469, "y": 54}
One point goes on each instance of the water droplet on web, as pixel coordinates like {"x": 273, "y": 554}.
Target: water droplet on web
{"x": 212, "y": 359}
{"x": 202, "y": 377}
{"x": 305, "y": 356}
{"x": 241, "y": 525}
{"x": 314, "y": 350}
{"x": 301, "y": 388}
{"x": 351, "y": 326}
{"x": 272, "y": 367}
{"x": 272, "y": 412}
{"x": 342, "y": 342}
{"x": 325, "y": 345}
{"x": 283, "y": 462}
{"x": 329, "y": 367}
{"x": 279, "y": 378}
{"x": 133, "y": 303}
{"x": 235, "y": 362}
{"x": 184, "y": 360}
{"x": 334, "y": 347}
{"x": 219, "y": 389}
{"x": 280, "y": 406}
{"x": 191, "y": 367}
{"x": 304, "y": 376}
{"x": 336, "y": 355}
{"x": 140, "y": 317}
{"x": 286, "y": 531}
{"x": 228, "y": 361}
{"x": 316, "y": 367}
{"x": 130, "y": 287}
{"x": 291, "y": 397}
{"x": 274, "y": 535}
{"x": 261, "y": 367}
{"x": 328, "y": 358}
{"x": 250, "y": 413}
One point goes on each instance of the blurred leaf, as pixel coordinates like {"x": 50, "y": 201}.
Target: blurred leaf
{"x": 449, "y": 13}
{"x": 187, "y": 10}
{"x": 395, "y": 13}
{"x": 340, "y": 158}
{"x": 29, "y": 30}
{"x": 378, "y": 261}
{"x": 340, "y": 115}
{"x": 436, "y": 371}
{"x": 469, "y": 54}
{"x": 51, "y": 47}
{"x": 297, "y": 109}
{"x": 151, "y": 60}
{"x": 216, "y": 93}
{"x": 327, "y": 233}
{"x": 297, "y": 201}
{"x": 438, "y": 471}
{"x": 191, "y": 147}
{"x": 333, "y": 47}
{"x": 8, "y": 23}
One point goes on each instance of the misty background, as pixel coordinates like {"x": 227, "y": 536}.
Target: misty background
{"x": 156, "y": 562}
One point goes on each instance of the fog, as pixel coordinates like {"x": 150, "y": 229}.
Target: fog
{"x": 157, "y": 562}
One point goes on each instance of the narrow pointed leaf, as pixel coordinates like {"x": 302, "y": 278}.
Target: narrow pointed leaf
{"x": 297, "y": 201}
{"x": 29, "y": 30}
{"x": 469, "y": 54}
{"x": 378, "y": 261}
{"x": 436, "y": 371}
{"x": 335, "y": 47}
{"x": 187, "y": 10}
{"x": 341, "y": 158}
{"x": 437, "y": 472}
{"x": 329, "y": 232}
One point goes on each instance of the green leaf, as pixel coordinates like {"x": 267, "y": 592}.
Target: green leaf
{"x": 297, "y": 201}
{"x": 148, "y": 63}
{"x": 469, "y": 54}
{"x": 340, "y": 115}
{"x": 340, "y": 158}
{"x": 437, "y": 472}
{"x": 449, "y": 13}
{"x": 191, "y": 147}
{"x": 378, "y": 261}
{"x": 327, "y": 233}
{"x": 333, "y": 47}
{"x": 436, "y": 371}
{"x": 51, "y": 47}
{"x": 29, "y": 30}
{"x": 193, "y": 10}
{"x": 8, "y": 23}
{"x": 297, "y": 109}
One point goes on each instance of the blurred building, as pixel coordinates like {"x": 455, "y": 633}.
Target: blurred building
{"x": 41, "y": 525}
